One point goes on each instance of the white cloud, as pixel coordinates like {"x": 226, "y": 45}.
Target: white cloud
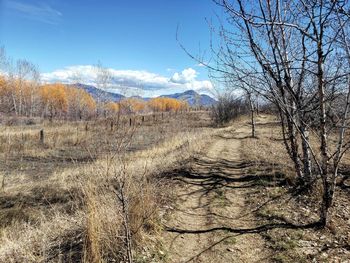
{"x": 40, "y": 12}
{"x": 186, "y": 76}
{"x": 136, "y": 82}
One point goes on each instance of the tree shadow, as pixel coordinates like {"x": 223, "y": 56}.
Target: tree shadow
{"x": 224, "y": 173}
{"x": 269, "y": 124}
{"x": 220, "y": 136}
{"x": 254, "y": 230}
{"x": 237, "y": 232}
{"x": 68, "y": 249}
{"x": 25, "y": 207}
{"x": 344, "y": 178}
{"x": 212, "y": 175}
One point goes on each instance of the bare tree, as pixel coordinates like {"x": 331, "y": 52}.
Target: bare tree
{"x": 22, "y": 80}
{"x": 290, "y": 51}
{"x": 103, "y": 81}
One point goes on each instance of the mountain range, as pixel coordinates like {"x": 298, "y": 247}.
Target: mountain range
{"x": 192, "y": 97}
{"x": 99, "y": 93}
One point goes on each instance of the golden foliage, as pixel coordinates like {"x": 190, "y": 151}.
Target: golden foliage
{"x": 54, "y": 98}
{"x": 132, "y": 105}
{"x": 167, "y": 104}
{"x": 112, "y": 107}
{"x": 58, "y": 100}
{"x": 79, "y": 101}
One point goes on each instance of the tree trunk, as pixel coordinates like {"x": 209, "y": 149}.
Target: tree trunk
{"x": 327, "y": 193}
{"x": 14, "y": 103}
{"x": 294, "y": 145}
{"x": 306, "y": 155}
{"x": 253, "y": 123}
{"x": 128, "y": 236}
{"x": 251, "y": 105}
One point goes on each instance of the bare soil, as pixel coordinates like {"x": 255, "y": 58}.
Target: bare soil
{"x": 210, "y": 221}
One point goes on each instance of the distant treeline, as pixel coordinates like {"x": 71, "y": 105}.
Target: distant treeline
{"x": 21, "y": 97}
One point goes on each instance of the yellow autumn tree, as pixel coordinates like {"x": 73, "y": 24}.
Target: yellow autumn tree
{"x": 132, "y": 105}
{"x": 167, "y": 104}
{"x": 157, "y": 104}
{"x": 54, "y": 100}
{"x": 80, "y": 103}
{"x": 111, "y": 108}
{"x": 18, "y": 96}
{"x": 6, "y": 101}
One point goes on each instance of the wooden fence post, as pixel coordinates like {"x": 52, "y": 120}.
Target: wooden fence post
{"x": 42, "y": 136}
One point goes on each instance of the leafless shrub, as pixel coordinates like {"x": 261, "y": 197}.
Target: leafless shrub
{"x": 227, "y": 109}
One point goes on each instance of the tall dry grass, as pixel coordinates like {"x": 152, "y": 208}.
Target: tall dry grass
{"x": 130, "y": 182}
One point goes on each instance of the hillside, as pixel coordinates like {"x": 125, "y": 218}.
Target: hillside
{"x": 193, "y": 98}
{"x": 190, "y": 96}
{"x": 100, "y": 94}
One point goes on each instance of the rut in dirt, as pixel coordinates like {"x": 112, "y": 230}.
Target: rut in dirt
{"x": 210, "y": 221}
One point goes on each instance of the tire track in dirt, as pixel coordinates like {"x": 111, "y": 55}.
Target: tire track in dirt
{"x": 212, "y": 193}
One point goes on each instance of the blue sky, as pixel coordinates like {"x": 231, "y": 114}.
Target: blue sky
{"x": 136, "y": 39}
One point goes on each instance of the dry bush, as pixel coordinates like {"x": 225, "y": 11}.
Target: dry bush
{"x": 133, "y": 176}
{"x": 227, "y": 109}
{"x": 102, "y": 238}
{"x": 108, "y": 222}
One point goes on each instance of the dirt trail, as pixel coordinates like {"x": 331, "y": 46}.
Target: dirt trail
{"x": 210, "y": 209}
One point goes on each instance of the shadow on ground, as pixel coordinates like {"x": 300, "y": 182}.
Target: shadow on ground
{"x": 213, "y": 175}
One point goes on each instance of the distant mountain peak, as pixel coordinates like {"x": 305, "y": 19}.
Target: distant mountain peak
{"x": 100, "y": 94}
{"x": 191, "y": 92}
{"x": 193, "y": 98}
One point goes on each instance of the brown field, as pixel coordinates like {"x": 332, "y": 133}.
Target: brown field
{"x": 47, "y": 187}
{"x": 183, "y": 190}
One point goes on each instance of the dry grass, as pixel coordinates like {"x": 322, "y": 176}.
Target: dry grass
{"x": 46, "y": 241}
{"x": 145, "y": 192}
{"x": 278, "y": 202}
{"x": 60, "y": 199}
{"x": 268, "y": 151}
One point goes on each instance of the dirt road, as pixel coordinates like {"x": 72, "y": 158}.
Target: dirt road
{"x": 210, "y": 219}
